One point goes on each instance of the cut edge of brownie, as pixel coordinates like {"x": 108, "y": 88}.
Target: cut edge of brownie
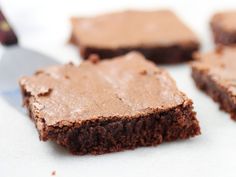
{"x": 113, "y": 134}
{"x": 216, "y": 91}
{"x": 172, "y": 54}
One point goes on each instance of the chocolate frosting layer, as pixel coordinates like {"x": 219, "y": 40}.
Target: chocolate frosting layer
{"x": 221, "y": 65}
{"x": 125, "y": 86}
{"x": 132, "y": 29}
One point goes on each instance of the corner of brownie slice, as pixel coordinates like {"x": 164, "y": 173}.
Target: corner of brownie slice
{"x": 108, "y": 106}
{"x": 215, "y": 73}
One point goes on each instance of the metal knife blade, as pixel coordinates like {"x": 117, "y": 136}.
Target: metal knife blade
{"x": 16, "y": 62}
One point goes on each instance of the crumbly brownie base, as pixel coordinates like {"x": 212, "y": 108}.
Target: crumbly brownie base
{"x": 218, "y": 93}
{"x": 161, "y": 55}
{"x": 105, "y": 135}
{"x": 221, "y": 36}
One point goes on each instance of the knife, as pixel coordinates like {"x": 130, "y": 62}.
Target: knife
{"x": 16, "y": 61}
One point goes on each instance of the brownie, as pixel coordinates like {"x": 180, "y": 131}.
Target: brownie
{"x": 108, "y": 106}
{"x": 224, "y": 27}
{"x": 159, "y": 35}
{"x": 215, "y": 74}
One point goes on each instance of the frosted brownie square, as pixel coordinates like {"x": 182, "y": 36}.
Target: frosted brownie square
{"x": 108, "y": 106}
{"x": 159, "y": 35}
{"x": 215, "y": 74}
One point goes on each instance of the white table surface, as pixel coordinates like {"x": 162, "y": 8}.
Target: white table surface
{"x": 43, "y": 25}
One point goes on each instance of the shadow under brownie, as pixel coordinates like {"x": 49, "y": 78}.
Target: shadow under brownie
{"x": 215, "y": 74}
{"x": 159, "y": 35}
{"x": 108, "y": 106}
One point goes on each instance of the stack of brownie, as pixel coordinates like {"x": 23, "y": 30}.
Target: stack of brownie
{"x": 118, "y": 99}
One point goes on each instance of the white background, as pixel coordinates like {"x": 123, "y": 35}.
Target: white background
{"x": 43, "y": 25}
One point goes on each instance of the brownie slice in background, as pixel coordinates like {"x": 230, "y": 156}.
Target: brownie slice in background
{"x": 224, "y": 27}
{"x": 159, "y": 35}
{"x": 215, "y": 74}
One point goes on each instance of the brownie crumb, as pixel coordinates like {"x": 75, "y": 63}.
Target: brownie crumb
{"x": 143, "y": 72}
{"x": 222, "y": 65}
{"x": 39, "y": 72}
{"x": 53, "y": 173}
{"x": 94, "y": 58}
{"x": 45, "y": 92}
{"x": 67, "y": 77}
{"x": 219, "y": 49}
